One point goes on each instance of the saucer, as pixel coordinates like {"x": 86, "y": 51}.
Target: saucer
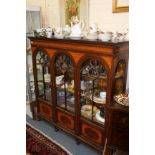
{"x": 74, "y": 37}
{"x": 59, "y": 36}
{"x": 92, "y": 36}
{"x": 98, "y": 100}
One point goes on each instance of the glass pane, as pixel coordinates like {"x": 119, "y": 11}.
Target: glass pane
{"x": 39, "y": 72}
{"x": 41, "y": 89}
{"x": 43, "y": 76}
{"x": 65, "y": 82}
{"x": 119, "y": 77}
{"x": 93, "y": 89}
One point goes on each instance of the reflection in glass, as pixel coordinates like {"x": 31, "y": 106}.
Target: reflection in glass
{"x": 43, "y": 76}
{"x": 65, "y": 82}
{"x": 119, "y": 77}
{"x": 93, "y": 88}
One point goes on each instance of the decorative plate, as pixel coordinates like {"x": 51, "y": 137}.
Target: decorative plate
{"x": 59, "y": 79}
{"x": 122, "y": 99}
{"x": 98, "y": 100}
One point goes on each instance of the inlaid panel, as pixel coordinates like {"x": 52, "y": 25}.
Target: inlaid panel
{"x": 92, "y": 133}
{"x": 70, "y": 46}
{"x": 66, "y": 120}
{"x": 45, "y": 110}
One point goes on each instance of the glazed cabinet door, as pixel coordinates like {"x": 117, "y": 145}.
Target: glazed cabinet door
{"x": 65, "y": 90}
{"x": 93, "y": 97}
{"x": 120, "y": 72}
{"x": 43, "y": 84}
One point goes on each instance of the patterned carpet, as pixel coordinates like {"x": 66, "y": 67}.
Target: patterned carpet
{"x": 38, "y": 143}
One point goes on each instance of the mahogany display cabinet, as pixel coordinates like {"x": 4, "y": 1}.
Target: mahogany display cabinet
{"x": 75, "y": 81}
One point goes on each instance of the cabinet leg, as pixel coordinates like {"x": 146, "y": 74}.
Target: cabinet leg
{"x": 77, "y": 141}
{"x": 56, "y": 128}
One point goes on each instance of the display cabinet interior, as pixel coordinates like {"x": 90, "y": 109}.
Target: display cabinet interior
{"x": 93, "y": 88}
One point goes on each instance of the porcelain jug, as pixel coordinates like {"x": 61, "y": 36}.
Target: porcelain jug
{"x": 76, "y": 27}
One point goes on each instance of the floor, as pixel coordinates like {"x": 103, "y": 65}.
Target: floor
{"x": 61, "y": 137}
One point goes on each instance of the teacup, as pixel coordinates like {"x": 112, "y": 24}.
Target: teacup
{"x": 59, "y": 33}
{"x": 49, "y": 34}
{"x": 105, "y": 36}
{"x": 58, "y": 30}
{"x": 67, "y": 30}
{"x": 38, "y": 30}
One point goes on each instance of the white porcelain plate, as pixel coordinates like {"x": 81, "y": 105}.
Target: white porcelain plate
{"x": 99, "y": 118}
{"x": 121, "y": 99}
{"x": 91, "y": 37}
{"x": 74, "y": 37}
{"x": 98, "y": 100}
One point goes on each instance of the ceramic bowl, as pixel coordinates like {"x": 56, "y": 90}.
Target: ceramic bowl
{"x": 49, "y": 34}
{"x": 104, "y": 37}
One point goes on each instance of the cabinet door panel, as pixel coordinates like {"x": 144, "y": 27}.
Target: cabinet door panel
{"x": 92, "y": 133}
{"x": 93, "y": 89}
{"x": 65, "y": 120}
{"x": 45, "y": 110}
{"x": 64, "y": 77}
{"x": 43, "y": 75}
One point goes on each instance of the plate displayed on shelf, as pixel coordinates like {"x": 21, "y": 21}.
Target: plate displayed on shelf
{"x": 86, "y": 110}
{"x": 59, "y": 79}
{"x": 59, "y": 36}
{"x": 122, "y": 99}
{"x": 91, "y": 37}
{"x": 71, "y": 99}
{"x": 99, "y": 118}
{"x": 98, "y": 100}
{"x": 74, "y": 37}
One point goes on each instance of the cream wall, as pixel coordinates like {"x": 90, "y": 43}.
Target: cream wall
{"x": 100, "y": 12}
{"x": 49, "y": 10}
